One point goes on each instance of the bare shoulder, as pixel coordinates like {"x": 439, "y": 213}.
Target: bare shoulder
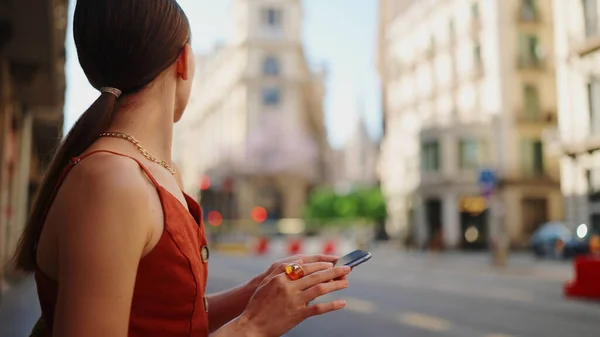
{"x": 107, "y": 193}
{"x": 107, "y": 174}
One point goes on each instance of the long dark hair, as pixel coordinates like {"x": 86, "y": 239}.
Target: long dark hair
{"x": 123, "y": 44}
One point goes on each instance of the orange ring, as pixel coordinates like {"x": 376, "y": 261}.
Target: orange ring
{"x": 294, "y": 271}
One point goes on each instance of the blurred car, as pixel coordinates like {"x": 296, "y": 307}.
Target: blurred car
{"x": 550, "y": 239}
{"x": 584, "y": 243}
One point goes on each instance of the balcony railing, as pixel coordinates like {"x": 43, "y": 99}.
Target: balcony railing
{"x": 528, "y": 15}
{"x": 531, "y": 62}
{"x": 541, "y": 118}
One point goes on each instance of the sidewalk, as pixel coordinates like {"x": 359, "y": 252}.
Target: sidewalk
{"x": 19, "y": 309}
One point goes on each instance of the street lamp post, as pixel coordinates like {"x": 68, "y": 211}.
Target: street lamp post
{"x": 488, "y": 185}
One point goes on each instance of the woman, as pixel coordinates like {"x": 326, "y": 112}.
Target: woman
{"x": 116, "y": 247}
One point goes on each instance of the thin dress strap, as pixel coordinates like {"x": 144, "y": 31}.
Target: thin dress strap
{"x": 76, "y": 160}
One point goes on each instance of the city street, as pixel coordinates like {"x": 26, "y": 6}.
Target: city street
{"x": 411, "y": 294}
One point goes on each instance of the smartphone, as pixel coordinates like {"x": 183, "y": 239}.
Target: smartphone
{"x": 354, "y": 259}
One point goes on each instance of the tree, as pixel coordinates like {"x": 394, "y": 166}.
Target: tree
{"x": 325, "y": 205}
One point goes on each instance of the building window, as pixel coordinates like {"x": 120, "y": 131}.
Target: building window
{"x": 475, "y": 11}
{"x": 531, "y": 100}
{"x": 594, "y": 105}
{"x": 271, "y": 66}
{"x": 452, "y": 31}
{"x": 532, "y": 157}
{"x": 595, "y": 222}
{"x": 431, "y": 46}
{"x": 471, "y": 154}
{"x": 590, "y": 14}
{"x": 272, "y": 17}
{"x": 529, "y": 10}
{"x": 477, "y": 53}
{"x": 593, "y": 179}
{"x": 535, "y": 214}
{"x": 271, "y": 96}
{"x": 430, "y": 156}
{"x": 530, "y": 49}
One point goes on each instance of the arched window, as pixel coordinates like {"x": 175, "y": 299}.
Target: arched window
{"x": 271, "y": 66}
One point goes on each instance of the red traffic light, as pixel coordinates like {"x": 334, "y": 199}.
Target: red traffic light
{"x": 259, "y": 214}
{"x": 215, "y": 218}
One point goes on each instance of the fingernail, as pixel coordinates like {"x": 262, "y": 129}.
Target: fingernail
{"x": 330, "y": 264}
{"x": 340, "y": 303}
{"x": 347, "y": 269}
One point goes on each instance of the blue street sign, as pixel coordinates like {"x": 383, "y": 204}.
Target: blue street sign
{"x": 487, "y": 177}
{"x": 487, "y": 182}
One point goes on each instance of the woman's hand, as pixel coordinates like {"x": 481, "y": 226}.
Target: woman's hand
{"x": 280, "y": 304}
{"x": 296, "y": 258}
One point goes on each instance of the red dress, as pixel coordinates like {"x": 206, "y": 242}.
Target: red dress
{"x": 168, "y": 298}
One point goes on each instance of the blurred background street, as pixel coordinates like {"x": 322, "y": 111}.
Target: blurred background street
{"x": 456, "y": 139}
{"x": 411, "y": 294}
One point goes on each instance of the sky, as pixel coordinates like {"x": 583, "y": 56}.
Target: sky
{"x": 340, "y": 33}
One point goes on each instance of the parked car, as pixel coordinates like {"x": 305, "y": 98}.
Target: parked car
{"x": 549, "y": 240}
{"x": 582, "y": 243}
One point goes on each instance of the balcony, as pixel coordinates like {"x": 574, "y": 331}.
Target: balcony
{"x": 543, "y": 118}
{"x": 588, "y": 45}
{"x": 528, "y": 15}
{"x": 530, "y": 62}
{"x": 539, "y": 179}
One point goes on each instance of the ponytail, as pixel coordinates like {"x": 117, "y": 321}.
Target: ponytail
{"x": 85, "y": 131}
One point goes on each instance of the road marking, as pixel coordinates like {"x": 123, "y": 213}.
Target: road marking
{"x": 511, "y": 294}
{"x": 361, "y": 306}
{"x": 424, "y": 322}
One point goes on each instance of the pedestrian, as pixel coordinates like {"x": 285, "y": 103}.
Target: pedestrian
{"x": 116, "y": 247}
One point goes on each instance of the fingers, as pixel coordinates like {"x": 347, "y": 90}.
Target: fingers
{"x": 311, "y": 258}
{"x": 279, "y": 269}
{"x": 323, "y": 276}
{"x": 319, "y": 258}
{"x": 311, "y": 268}
{"x": 324, "y": 288}
{"x": 323, "y": 308}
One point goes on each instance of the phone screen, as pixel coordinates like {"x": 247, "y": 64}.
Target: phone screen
{"x": 353, "y": 258}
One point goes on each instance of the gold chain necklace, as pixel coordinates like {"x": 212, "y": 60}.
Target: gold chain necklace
{"x": 139, "y": 146}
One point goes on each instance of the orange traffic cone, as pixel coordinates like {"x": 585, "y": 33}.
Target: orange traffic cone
{"x": 263, "y": 246}
{"x": 294, "y": 247}
{"x": 329, "y": 248}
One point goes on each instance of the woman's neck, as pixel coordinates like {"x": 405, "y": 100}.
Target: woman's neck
{"x": 148, "y": 117}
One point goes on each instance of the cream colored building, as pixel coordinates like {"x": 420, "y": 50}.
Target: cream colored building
{"x": 254, "y": 125}
{"x": 577, "y": 48}
{"x": 469, "y": 85}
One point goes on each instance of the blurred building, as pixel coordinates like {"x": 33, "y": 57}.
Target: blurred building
{"x": 469, "y": 85}
{"x": 354, "y": 165}
{"x": 388, "y": 11}
{"x": 32, "y": 86}
{"x": 577, "y": 30}
{"x": 254, "y": 128}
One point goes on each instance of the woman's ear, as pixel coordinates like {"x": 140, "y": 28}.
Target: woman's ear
{"x": 184, "y": 63}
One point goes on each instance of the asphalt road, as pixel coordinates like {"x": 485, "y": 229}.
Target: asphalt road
{"x": 409, "y": 295}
